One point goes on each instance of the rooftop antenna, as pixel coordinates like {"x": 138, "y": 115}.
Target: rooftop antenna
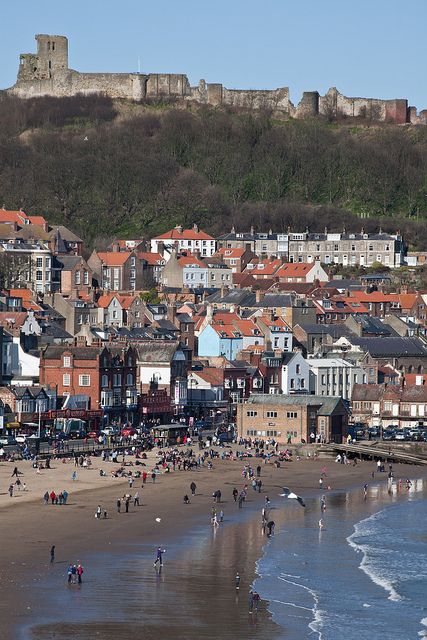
{"x": 139, "y": 64}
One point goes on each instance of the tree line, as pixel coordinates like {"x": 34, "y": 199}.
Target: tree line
{"x": 109, "y": 169}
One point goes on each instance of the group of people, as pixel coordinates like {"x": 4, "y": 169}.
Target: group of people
{"x": 55, "y": 498}
{"x": 75, "y": 573}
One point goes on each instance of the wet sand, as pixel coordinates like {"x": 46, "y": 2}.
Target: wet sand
{"x": 123, "y": 596}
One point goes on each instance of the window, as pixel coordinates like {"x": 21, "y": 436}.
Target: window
{"x": 104, "y": 381}
{"x": 133, "y": 261}
{"x": 271, "y": 414}
{"x": 117, "y": 379}
{"x": 39, "y": 263}
{"x": 291, "y": 414}
{"x": 47, "y": 263}
{"x": 84, "y": 380}
{"x": 251, "y": 414}
{"x": 298, "y": 369}
{"x": 323, "y": 379}
{"x": 39, "y": 275}
{"x": 85, "y": 277}
{"x": 66, "y": 361}
{"x": 129, "y": 379}
{"x": 292, "y": 383}
{"x": 77, "y": 277}
{"x": 66, "y": 380}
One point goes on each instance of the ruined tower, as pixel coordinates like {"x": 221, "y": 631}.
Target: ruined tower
{"x": 51, "y": 59}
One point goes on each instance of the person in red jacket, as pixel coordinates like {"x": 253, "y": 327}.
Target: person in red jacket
{"x": 53, "y": 496}
{"x": 79, "y": 573}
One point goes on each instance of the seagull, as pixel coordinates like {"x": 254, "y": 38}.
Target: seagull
{"x": 287, "y": 493}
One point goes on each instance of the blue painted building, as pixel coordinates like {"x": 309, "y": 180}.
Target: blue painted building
{"x": 220, "y": 340}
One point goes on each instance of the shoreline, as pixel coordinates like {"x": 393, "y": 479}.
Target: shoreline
{"x": 77, "y": 533}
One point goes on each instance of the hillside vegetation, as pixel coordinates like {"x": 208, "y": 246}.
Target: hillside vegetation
{"x": 108, "y": 170}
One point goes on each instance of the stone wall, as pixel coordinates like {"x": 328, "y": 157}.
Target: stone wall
{"x": 47, "y": 73}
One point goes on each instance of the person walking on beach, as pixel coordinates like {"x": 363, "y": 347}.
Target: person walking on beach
{"x": 320, "y": 483}
{"x": 159, "y": 556}
{"x": 144, "y": 477}
{"x": 258, "y": 471}
{"x": 79, "y": 573}
{"x": 136, "y": 499}
{"x": 70, "y": 573}
{"x": 237, "y": 581}
{"x": 15, "y": 472}
{"x": 119, "y": 504}
{"x": 127, "y": 500}
{"x": 52, "y": 553}
{"x": 153, "y": 477}
{"x": 193, "y": 488}
{"x": 270, "y": 527}
{"x": 46, "y": 497}
{"x": 251, "y": 601}
{"x": 235, "y": 494}
{"x": 323, "y": 504}
{"x": 365, "y": 491}
{"x": 11, "y": 490}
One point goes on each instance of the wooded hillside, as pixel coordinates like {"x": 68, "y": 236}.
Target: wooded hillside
{"x": 107, "y": 170}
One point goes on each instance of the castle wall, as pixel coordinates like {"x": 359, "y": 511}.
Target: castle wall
{"x": 167, "y": 84}
{"x": 276, "y": 99}
{"x": 396, "y": 111}
{"x": 47, "y": 73}
{"x": 308, "y": 106}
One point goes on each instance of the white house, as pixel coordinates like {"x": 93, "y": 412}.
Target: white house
{"x": 295, "y": 373}
{"x": 334, "y": 377}
{"x": 193, "y": 240}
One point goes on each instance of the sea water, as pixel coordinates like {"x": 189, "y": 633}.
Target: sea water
{"x": 363, "y": 576}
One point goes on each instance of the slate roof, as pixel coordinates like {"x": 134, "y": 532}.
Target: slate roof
{"x": 326, "y": 404}
{"x": 394, "y": 346}
{"x": 55, "y": 352}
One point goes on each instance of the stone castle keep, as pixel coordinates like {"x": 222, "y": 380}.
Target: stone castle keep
{"x": 47, "y": 73}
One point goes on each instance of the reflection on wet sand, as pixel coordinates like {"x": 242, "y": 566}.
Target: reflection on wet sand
{"x": 192, "y": 596}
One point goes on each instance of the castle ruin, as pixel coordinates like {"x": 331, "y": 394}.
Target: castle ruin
{"x": 47, "y": 73}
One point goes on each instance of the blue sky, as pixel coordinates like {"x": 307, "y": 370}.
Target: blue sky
{"x": 370, "y": 48}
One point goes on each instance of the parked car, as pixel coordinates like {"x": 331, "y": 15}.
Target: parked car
{"x": 7, "y": 440}
{"x": 111, "y": 430}
{"x": 21, "y": 438}
{"x": 388, "y": 434}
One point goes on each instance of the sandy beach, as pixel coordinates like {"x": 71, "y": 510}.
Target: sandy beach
{"x": 194, "y": 596}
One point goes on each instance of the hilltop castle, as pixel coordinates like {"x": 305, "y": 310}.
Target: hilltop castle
{"x": 47, "y": 73}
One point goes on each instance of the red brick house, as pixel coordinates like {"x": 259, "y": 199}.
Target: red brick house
{"x": 106, "y": 375}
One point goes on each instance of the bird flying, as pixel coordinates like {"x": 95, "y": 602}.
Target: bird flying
{"x": 287, "y": 493}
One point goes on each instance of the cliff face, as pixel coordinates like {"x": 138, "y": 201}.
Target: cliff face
{"x": 47, "y": 73}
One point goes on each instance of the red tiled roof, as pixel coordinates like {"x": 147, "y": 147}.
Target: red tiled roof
{"x": 113, "y": 258}
{"x": 212, "y": 375}
{"x": 17, "y": 317}
{"x": 13, "y": 216}
{"x": 375, "y": 296}
{"x": 295, "y": 269}
{"x": 185, "y": 234}
{"x": 39, "y": 220}
{"x": 184, "y": 261}
{"x": 225, "y": 252}
{"x": 264, "y": 268}
{"x": 151, "y": 258}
